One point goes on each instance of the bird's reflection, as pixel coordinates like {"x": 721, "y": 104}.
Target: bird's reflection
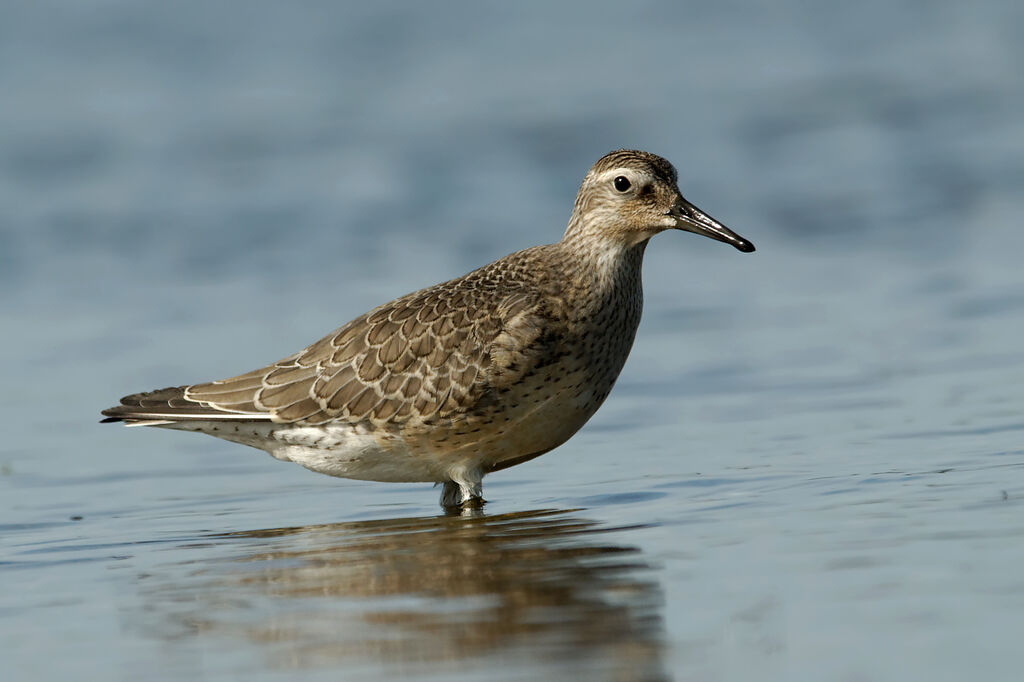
{"x": 544, "y": 585}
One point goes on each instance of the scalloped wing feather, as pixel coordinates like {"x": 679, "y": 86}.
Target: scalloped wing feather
{"x": 433, "y": 354}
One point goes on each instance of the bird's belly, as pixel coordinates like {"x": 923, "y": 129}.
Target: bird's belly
{"x": 342, "y": 450}
{"x": 355, "y": 452}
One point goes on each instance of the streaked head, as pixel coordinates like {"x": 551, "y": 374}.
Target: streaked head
{"x": 632, "y": 195}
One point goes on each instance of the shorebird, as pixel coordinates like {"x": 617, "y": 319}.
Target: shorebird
{"x": 466, "y": 377}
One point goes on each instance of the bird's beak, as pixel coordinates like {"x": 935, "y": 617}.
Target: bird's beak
{"x": 692, "y": 219}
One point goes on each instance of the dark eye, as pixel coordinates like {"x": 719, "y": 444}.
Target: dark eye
{"x": 622, "y": 183}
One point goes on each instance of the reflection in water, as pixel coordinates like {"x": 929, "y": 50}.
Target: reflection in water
{"x": 539, "y": 587}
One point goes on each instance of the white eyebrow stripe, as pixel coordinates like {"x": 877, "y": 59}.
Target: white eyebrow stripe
{"x": 631, "y": 173}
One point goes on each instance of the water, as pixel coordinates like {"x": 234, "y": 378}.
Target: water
{"x": 812, "y": 467}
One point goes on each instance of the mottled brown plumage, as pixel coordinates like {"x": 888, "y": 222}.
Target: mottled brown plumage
{"x": 469, "y": 376}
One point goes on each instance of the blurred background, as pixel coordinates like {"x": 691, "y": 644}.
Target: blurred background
{"x": 812, "y": 466}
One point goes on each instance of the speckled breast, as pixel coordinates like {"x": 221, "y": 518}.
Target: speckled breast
{"x": 547, "y": 406}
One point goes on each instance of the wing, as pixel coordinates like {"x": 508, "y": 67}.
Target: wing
{"x": 432, "y": 355}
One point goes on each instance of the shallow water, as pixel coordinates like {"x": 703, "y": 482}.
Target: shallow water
{"x": 812, "y": 466}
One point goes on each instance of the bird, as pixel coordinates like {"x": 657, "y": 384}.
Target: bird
{"x": 467, "y": 377}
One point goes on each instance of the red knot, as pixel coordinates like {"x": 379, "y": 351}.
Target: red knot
{"x": 466, "y": 377}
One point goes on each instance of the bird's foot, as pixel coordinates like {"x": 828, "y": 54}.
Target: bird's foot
{"x": 456, "y": 496}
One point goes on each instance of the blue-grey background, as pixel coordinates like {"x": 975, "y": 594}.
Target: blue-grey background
{"x": 812, "y": 467}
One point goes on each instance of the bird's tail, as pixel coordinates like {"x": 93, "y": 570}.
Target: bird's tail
{"x": 166, "y": 406}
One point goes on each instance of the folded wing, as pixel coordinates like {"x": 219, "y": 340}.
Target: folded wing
{"x": 432, "y": 355}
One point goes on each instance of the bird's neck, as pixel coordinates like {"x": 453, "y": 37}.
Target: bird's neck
{"x": 610, "y": 266}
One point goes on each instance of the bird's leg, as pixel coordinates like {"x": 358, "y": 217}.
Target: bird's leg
{"x": 464, "y": 491}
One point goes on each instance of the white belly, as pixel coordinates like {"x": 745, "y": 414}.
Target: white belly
{"x": 336, "y": 450}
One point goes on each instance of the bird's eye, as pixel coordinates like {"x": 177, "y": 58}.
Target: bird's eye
{"x": 622, "y": 183}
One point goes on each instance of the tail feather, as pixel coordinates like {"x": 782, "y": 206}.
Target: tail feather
{"x": 167, "y": 405}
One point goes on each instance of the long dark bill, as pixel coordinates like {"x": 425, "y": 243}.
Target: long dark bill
{"x": 692, "y": 219}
